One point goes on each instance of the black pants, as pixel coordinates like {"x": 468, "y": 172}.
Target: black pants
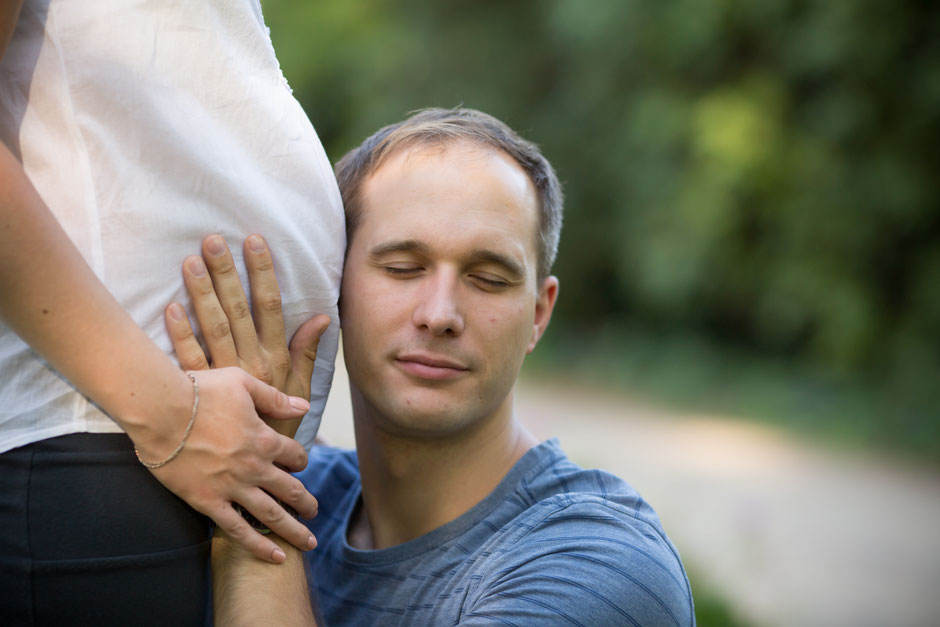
{"x": 89, "y": 537}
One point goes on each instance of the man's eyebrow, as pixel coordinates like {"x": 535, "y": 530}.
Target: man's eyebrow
{"x": 508, "y": 263}
{"x": 400, "y": 246}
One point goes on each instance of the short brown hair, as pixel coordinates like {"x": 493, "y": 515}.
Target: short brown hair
{"x": 435, "y": 127}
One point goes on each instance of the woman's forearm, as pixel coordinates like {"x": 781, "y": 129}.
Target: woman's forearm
{"x": 50, "y": 298}
{"x": 57, "y": 305}
{"x": 9, "y": 14}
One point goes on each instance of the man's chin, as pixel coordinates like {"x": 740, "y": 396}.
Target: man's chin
{"x": 432, "y": 421}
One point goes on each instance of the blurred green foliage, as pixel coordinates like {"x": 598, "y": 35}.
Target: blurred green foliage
{"x": 711, "y": 609}
{"x": 755, "y": 174}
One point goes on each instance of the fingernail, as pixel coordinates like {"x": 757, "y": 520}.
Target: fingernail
{"x": 278, "y": 556}
{"x": 311, "y": 543}
{"x": 256, "y": 243}
{"x": 215, "y": 246}
{"x": 298, "y": 403}
{"x": 176, "y": 311}
{"x": 196, "y": 266}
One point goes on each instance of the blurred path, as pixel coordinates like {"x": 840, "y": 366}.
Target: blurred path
{"x": 789, "y": 533}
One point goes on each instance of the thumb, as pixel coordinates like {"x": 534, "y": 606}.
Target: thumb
{"x": 303, "y": 351}
{"x": 273, "y": 403}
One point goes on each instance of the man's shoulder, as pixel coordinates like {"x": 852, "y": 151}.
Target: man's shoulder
{"x": 587, "y": 544}
{"x": 574, "y": 510}
{"x": 556, "y": 485}
{"x": 598, "y": 536}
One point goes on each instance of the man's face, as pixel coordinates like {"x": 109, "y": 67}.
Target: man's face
{"x": 440, "y": 302}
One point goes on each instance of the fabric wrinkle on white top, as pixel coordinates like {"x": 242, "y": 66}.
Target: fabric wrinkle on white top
{"x": 145, "y": 127}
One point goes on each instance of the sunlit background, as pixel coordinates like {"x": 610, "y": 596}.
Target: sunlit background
{"x": 749, "y": 321}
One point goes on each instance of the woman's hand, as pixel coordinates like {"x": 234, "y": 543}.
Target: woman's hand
{"x": 232, "y": 456}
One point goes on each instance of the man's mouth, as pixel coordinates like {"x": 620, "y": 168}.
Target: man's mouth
{"x": 427, "y": 366}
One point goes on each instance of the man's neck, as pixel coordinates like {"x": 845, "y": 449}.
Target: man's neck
{"x": 411, "y": 486}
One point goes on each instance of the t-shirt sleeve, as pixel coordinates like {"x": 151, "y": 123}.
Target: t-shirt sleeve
{"x": 583, "y": 563}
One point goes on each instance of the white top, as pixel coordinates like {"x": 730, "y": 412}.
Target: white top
{"x": 144, "y": 127}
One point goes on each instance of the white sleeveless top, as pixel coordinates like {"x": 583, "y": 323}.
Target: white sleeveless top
{"x": 146, "y": 126}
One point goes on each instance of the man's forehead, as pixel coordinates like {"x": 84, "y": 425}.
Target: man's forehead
{"x": 458, "y": 153}
{"x": 419, "y": 181}
{"x": 451, "y": 150}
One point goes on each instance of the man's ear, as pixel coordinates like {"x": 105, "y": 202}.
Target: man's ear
{"x": 544, "y": 304}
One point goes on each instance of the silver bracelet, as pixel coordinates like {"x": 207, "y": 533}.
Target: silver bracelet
{"x": 189, "y": 428}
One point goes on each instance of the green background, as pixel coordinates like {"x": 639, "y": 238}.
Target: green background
{"x": 752, "y": 220}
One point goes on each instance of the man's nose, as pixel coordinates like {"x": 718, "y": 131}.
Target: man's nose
{"x": 438, "y": 310}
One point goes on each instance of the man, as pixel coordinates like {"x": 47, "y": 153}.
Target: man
{"x": 449, "y": 511}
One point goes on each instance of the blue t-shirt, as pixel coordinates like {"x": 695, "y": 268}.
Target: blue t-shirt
{"x": 553, "y": 544}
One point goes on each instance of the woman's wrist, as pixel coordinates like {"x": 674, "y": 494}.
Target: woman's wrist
{"x": 160, "y": 463}
{"x": 156, "y": 417}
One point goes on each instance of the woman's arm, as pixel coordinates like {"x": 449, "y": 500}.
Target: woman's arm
{"x": 53, "y": 301}
{"x": 9, "y": 14}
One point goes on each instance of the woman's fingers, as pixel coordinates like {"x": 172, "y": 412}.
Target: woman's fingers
{"x": 263, "y": 507}
{"x": 228, "y": 519}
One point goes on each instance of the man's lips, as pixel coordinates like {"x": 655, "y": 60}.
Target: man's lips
{"x": 430, "y": 366}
